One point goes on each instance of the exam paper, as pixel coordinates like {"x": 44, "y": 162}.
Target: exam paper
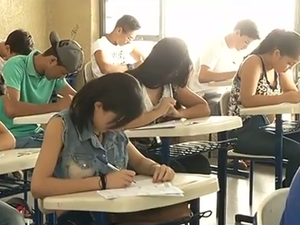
{"x": 143, "y": 188}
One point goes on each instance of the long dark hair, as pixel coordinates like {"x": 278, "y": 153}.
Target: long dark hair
{"x": 20, "y": 42}
{"x": 168, "y": 63}
{"x": 287, "y": 42}
{"x": 118, "y": 92}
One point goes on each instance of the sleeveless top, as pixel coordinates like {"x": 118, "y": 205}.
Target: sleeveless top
{"x": 263, "y": 88}
{"x": 79, "y": 157}
{"x": 167, "y": 92}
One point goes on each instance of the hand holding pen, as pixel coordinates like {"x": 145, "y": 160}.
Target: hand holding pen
{"x": 119, "y": 178}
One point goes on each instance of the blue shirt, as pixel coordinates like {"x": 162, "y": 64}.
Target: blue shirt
{"x": 81, "y": 151}
{"x": 291, "y": 214}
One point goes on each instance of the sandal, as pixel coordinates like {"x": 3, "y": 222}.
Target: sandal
{"x": 22, "y": 206}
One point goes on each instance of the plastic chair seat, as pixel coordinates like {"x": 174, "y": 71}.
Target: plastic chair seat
{"x": 232, "y": 153}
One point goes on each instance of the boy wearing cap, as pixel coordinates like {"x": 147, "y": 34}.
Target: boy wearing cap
{"x": 30, "y": 82}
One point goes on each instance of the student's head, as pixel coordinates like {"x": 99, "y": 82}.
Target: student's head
{"x": 108, "y": 103}
{"x": 126, "y": 29}
{"x": 2, "y": 85}
{"x": 62, "y": 58}
{"x": 18, "y": 42}
{"x": 169, "y": 62}
{"x": 245, "y": 31}
{"x": 283, "y": 47}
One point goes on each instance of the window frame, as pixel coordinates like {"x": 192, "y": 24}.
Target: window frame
{"x": 155, "y": 38}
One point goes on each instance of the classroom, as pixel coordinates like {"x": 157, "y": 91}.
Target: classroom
{"x": 149, "y": 112}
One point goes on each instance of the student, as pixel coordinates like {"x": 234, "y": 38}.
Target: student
{"x": 163, "y": 76}
{"x": 291, "y": 213}
{"x": 259, "y": 82}
{"x": 7, "y": 140}
{"x": 9, "y": 215}
{"x": 114, "y": 52}
{"x": 30, "y": 82}
{"x": 78, "y": 139}
{"x": 220, "y": 61}
{"x": 18, "y": 42}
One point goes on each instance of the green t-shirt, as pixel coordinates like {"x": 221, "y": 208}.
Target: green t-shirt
{"x": 20, "y": 74}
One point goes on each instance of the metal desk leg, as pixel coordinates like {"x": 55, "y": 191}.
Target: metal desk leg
{"x": 195, "y": 207}
{"x": 165, "y": 151}
{"x": 222, "y": 177}
{"x": 278, "y": 153}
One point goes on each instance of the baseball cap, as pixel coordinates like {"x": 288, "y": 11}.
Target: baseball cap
{"x": 69, "y": 53}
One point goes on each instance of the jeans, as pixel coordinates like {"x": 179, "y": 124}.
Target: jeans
{"x": 9, "y": 215}
{"x": 252, "y": 139}
{"x": 33, "y": 141}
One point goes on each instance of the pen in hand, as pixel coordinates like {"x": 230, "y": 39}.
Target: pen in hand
{"x": 116, "y": 169}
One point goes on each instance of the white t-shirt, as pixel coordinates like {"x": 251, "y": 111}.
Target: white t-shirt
{"x": 219, "y": 58}
{"x": 167, "y": 92}
{"x": 115, "y": 54}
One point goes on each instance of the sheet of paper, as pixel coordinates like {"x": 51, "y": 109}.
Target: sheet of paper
{"x": 143, "y": 188}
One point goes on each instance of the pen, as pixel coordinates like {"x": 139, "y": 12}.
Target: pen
{"x": 115, "y": 169}
{"x": 171, "y": 91}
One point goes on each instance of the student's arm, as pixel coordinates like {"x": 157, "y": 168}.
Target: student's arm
{"x": 208, "y": 60}
{"x": 207, "y": 75}
{"x": 146, "y": 166}
{"x": 13, "y": 107}
{"x": 250, "y": 73}
{"x": 106, "y": 67}
{"x": 287, "y": 82}
{"x": 7, "y": 140}
{"x": 43, "y": 183}
{"x": 145, "y": 119}
{"x": 195, "y": 106}
{"x": 138, "y": 57}
{"x": 153, "y": 115}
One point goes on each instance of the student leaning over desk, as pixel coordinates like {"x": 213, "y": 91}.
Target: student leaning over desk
{"x": 77, "y": 140}
{"x": 31, "y": 80}
{"x": 263, "y": 79}
{"x": 163, "y": 77}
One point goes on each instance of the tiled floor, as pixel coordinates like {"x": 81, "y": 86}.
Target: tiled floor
{"x": 237, "y": 195}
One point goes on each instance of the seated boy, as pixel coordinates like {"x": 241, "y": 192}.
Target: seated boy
{"x": 30, "y": 82}
{"x": 115, "y": 52}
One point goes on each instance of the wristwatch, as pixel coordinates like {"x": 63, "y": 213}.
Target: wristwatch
{"x": 130, "y": 66}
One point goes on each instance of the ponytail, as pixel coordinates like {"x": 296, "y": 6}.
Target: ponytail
{"x": 270, "y": 42}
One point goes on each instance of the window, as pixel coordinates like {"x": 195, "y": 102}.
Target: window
{"x": 197, "y": 22}
{"x": 146, "y": 11}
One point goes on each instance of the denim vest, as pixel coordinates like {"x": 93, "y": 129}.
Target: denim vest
{"x": 79, "y": 157}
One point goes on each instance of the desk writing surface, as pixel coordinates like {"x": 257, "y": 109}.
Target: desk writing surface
{"x": 18, "y": 159}
{"x": 39, "y": 119}
{"x": 92, "y": 201}
{"x": 192, "y": 127}
{"x": 284, "y": 108}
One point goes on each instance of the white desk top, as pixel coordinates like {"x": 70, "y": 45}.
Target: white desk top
{"x": 91, "y": 201}
{"x": 39, "y": 119}
{"x": 287, "y": 108}
{"x": 224, "y": 83}
{"x": 18, "y": 159}
{"x": 213, "y": 124}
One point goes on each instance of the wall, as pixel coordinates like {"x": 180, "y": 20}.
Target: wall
{"x": 29, "y": 15}
{"x": 63, "y": 15}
